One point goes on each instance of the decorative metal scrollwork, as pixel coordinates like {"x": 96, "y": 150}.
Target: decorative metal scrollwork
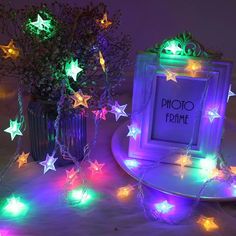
{"x": 183, "y": 45}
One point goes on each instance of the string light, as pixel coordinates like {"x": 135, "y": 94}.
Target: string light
{"x": 72, "y": 68}
{"x": 80, "y": 99}
{"x": 104, "y": 22}
{"x": 170, "y": 76}
{"x": 22, "y": 159}
{"x": 11, "y": 51}
{"x": 71, "y": 175}
{"x": 49, "y": 163}
{"x": 193, "y": 67}
{"x": 213, "y": 114}
{"x": 233, "y": 169}
{"x": 184, "y": 160}
{"x": 41, "y": 24}
{"x": 134, "y": 131}
{"x": 96, "y": 167}
{"x": 208, "y": 164}
{"x": 82, "y": 196}
{"x": 216, "y": 173}
{"x": 173, "y": 47}
{"x": 208, "y": 223}
{"x": 163, "y": 207}
{"x": 132, "y": 164}
{"x": 15, "y": 207}
{"x": 118, "y": 110}
{"x": 100, "y": 114}
{"x": 230, "y": 93}
{"x": 14, "y": 129}
{"x": 124, "y": 193}
{"x": 102, "y": 61}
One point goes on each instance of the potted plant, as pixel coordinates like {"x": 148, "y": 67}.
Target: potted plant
{"x": 70, "y": 60}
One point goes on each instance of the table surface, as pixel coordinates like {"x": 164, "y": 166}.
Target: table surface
{"x": 51, "y": 214}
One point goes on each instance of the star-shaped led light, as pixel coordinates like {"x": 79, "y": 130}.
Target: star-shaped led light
{"x": 123, "y": 193}
{"x": 134, "y": 131}
{"x": 72, "y": 68}
{"x": 208, "y": 223}
{"x": 184, "y": 160}
{"x": 96, "y": 167}
{"x": 22, "y": 159}
{"x": 208, "y": 163}
{"x": 10, "y": 50}
{"x": 233, "y": 169}
{"x": 49, "y": 163}
{"x": 173, "y": 47}
{"x": 230, "y": 93}
{"x": 170, "y": 76}
{"x": 131, "y": 163}
{"x": 80, "y": 99}
{"x": 15, "y": 206}
{"x": 193, "y": 67}
{"x": 71, "y": 175}
{"x": 14, "y": 129}
{"x": 163, "y": 207}
{"x": 118, "y": 110}
{"x": 104, "y": 22}
{"x": 213, "y": 114}
{"x": 100, "y": 114}
{"x": 41, "y": 24}
{"x": 102, "y": 61}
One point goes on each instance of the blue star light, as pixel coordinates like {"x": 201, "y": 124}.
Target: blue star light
{"x": 133, "y": 131}
{"x": 132, "y": 164}
{"x": 231, "y": 93}
{"x": 14, "y": 129}
{"x": 164, "y": 207}
{"x": 213, "y": 114}
{"x": 118, "y": 110}
{"x": 49, "y": 163}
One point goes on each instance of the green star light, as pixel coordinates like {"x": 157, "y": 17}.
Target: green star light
{"x": 14, "y": 129}
{"x": 173, "y": 47}
{"x": 41, "y": 24}
{"x": 72, "y": 68}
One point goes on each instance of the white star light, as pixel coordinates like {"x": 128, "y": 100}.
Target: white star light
{"x": 163, "y": 207}
{"x": 213, "y": 114}
{"x": 231, "y": 93}
{"x": 118, "y": 110}
{"x": 133, "y": 131}
{"x": 49, "y": 163}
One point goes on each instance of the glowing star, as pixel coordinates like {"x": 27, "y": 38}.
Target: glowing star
{"x": 100, "y": 114}
{"x": 118, "y": 110}
{"x": 123, "y": 193}
{"x": 22, "y": 159}
{"x": 15, "y": 206}
{"x": 133, "y": 131}
{"x": 10, "y": 50}
{"x": 230, "y": 93}
{"x": 80, "y": 99}
{"x": 173, "y": 47}
{"x": 163, "y": 207}
{"x": 72, "y": 68}
{"x": 233, "y": 169}
{"x": 14, "y": 129}
{"x": 213, "y": 114}
{"x": 71, "y": 175}
{"x": 184, "y": 160}
{"x": 170, "y": 76}
{"x": 102, "y": 61}
{"x": 193, "y": 67}
{"x": 104, "y": 22}
{"x": 208, "y": 164}
{"x": 216, "y": 173}
{"x": 208, "y": 223}
{"x": 96, "y": 167}
{"x": 41, "y": 24}
{"x": 49, "y": 163}
{"x": 132, "y": 164}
